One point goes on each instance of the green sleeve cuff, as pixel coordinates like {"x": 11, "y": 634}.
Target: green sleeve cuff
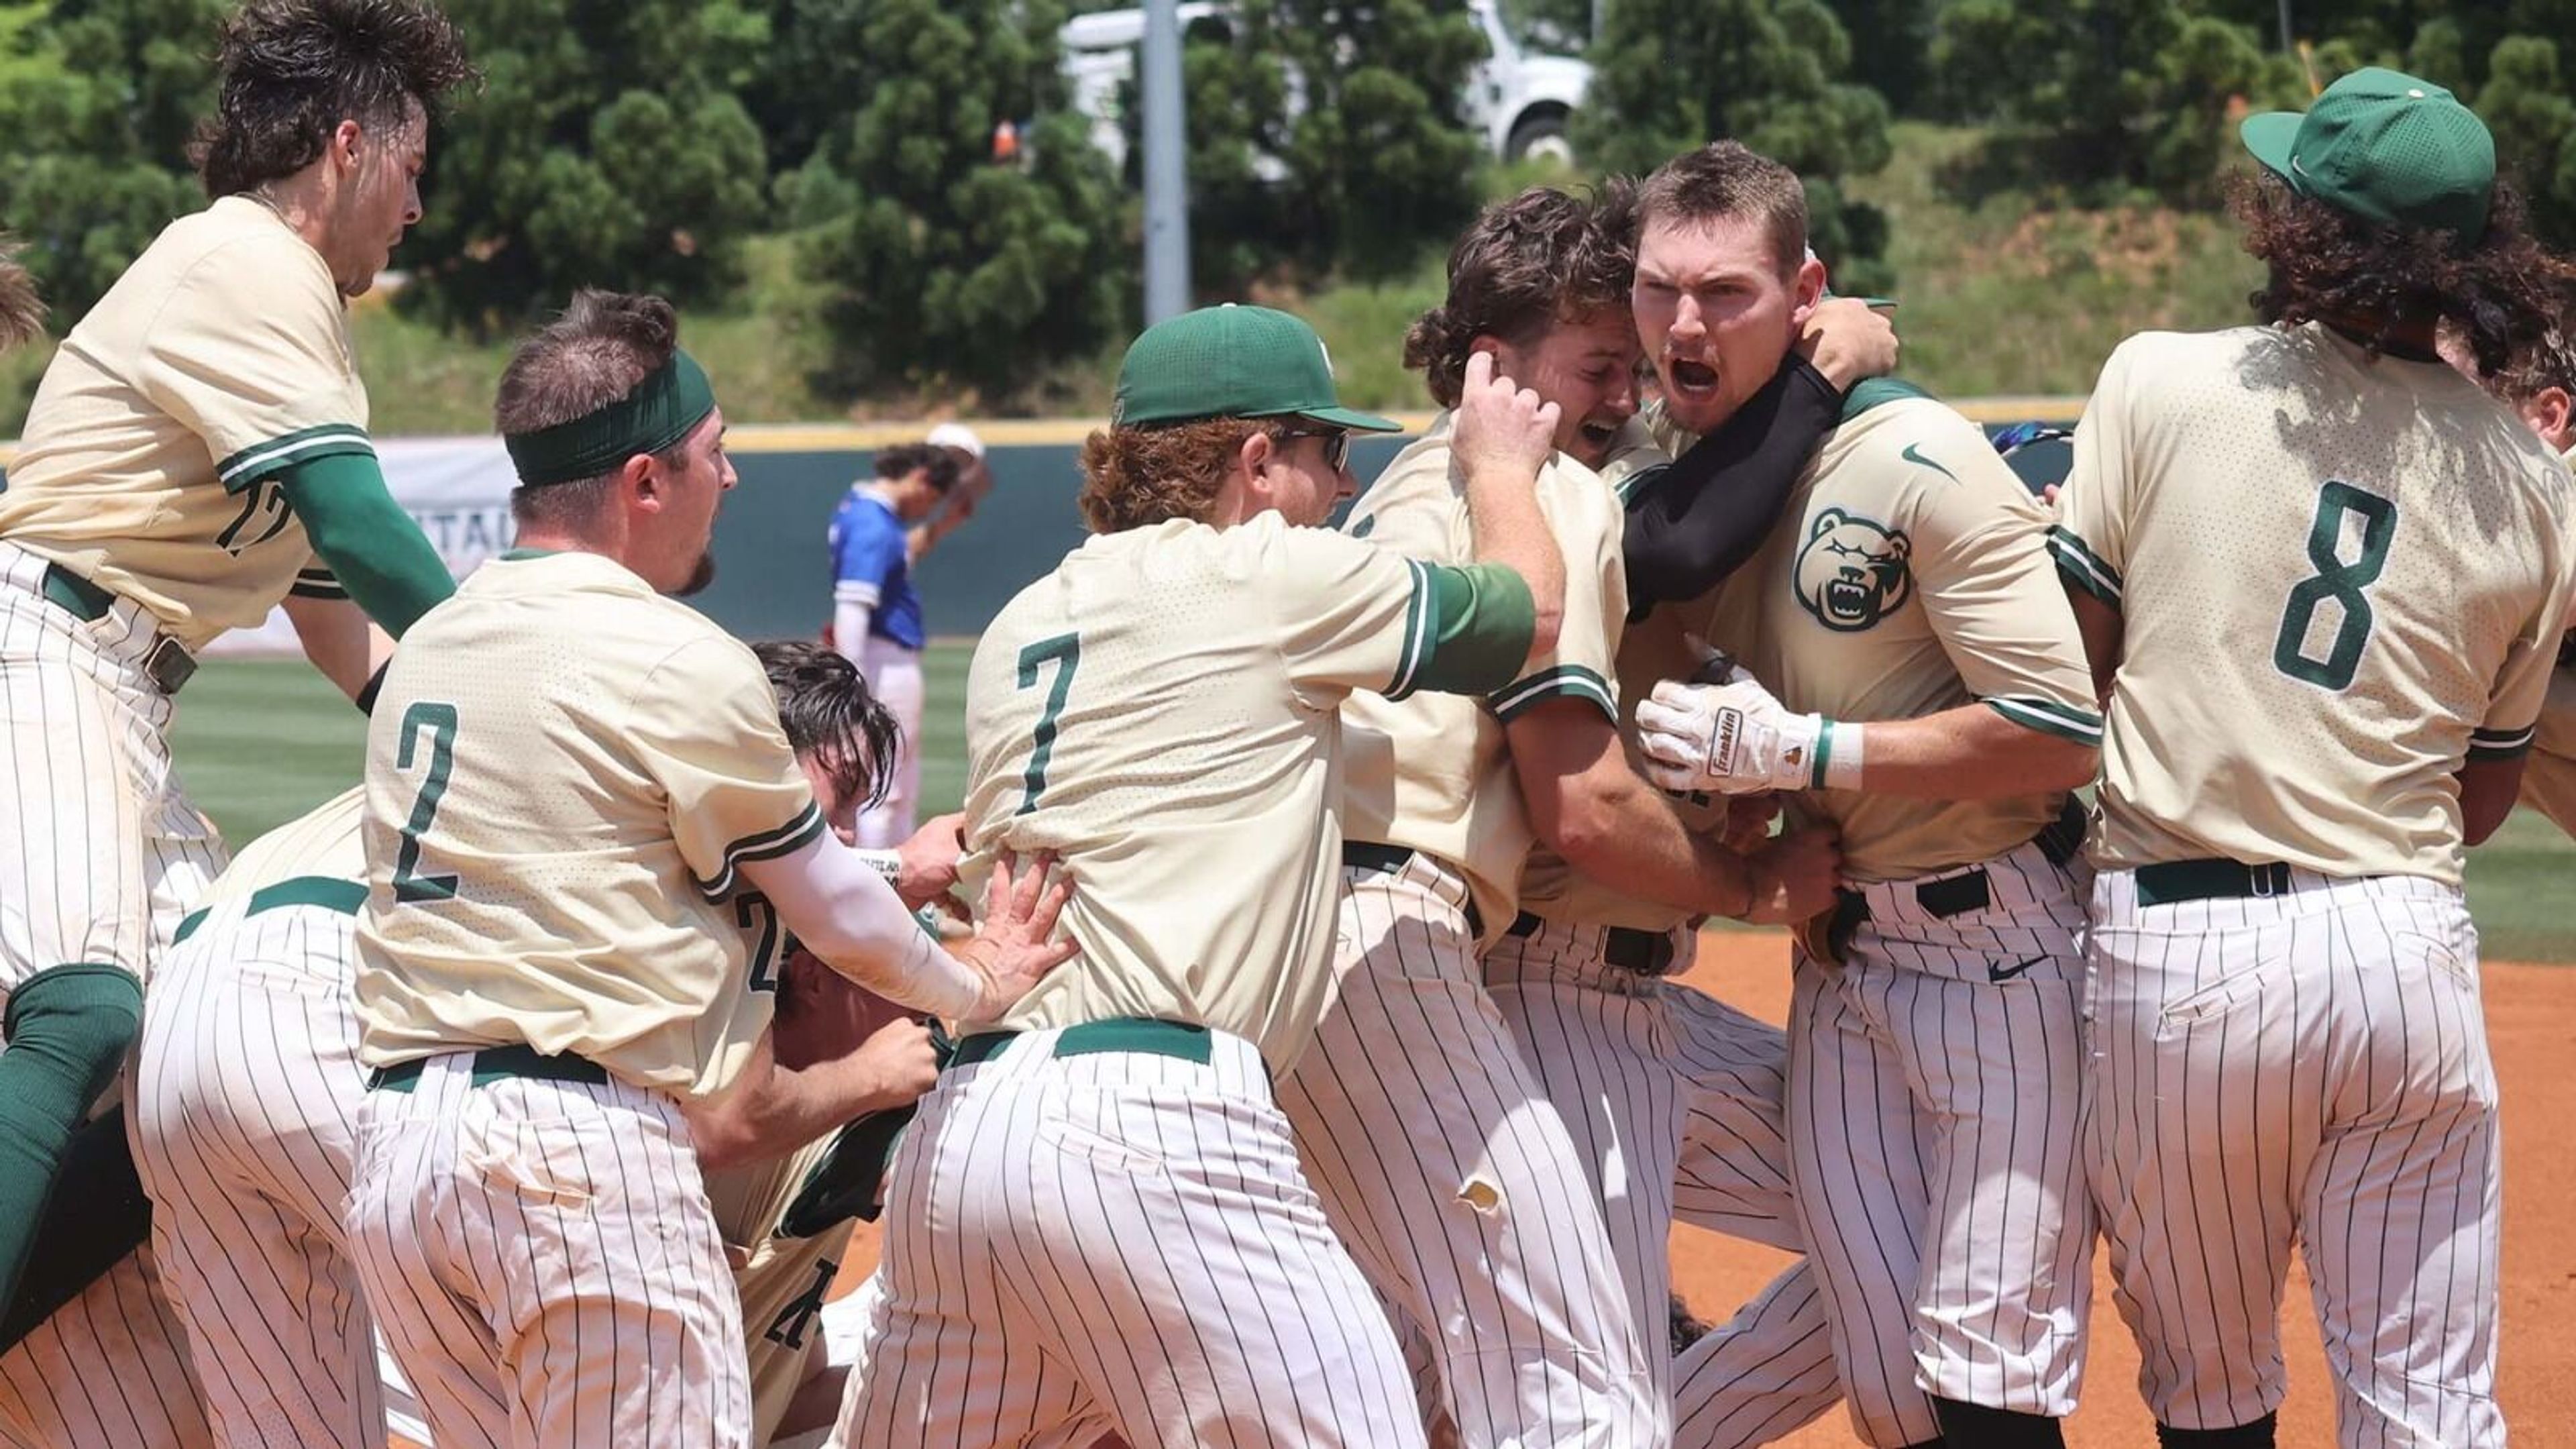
{"x": 2082, "y": 567}
{"x": 370, "y": 545}
{"x": 2048, "y": 717}
{"x": 277, "y": 455}
{"x": 1475, "y": 625}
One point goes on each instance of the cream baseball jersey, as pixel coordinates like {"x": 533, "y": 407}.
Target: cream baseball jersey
{"x": 2338, "y": 577}
{"x": 152, "y": 449}
{"x": 1430, "y": 771}
{"x": 1162, "y": 712}
{"x": 565, "y": 773}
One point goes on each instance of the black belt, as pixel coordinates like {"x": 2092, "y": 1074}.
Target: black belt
{"x": 1625, "y": 947}
{"x": 168, "y": 664}
{"x": 491, "y": 1064}
{"x": 1177, "y": 1039}
{"x": 2170, "y": 881}
{"x": 2060, "y": 840}
{"x": 1369, "y": 855}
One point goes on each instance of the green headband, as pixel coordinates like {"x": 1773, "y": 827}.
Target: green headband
{"x": 659, "y": 411}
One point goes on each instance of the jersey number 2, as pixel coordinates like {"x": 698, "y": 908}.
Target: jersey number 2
{"x": 1066, "y": 650}
{"x": 2337, "y": 581}
{"x": 440, "y": 721}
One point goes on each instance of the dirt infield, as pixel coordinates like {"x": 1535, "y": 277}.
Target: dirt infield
{"x": 2531, "y": 1020}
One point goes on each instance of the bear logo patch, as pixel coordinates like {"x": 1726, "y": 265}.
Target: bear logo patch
{"x": 1852, "y": 571}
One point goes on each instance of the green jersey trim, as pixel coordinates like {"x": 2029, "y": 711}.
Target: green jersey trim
{"x": 1483, "y": 620}
{"x": 764, "y": 845}
{"x": 1564, "y": 681}
{"x": 2049, "y": 717}
{"x": 2083, "y": 567}
{"x": 280, "y": 453}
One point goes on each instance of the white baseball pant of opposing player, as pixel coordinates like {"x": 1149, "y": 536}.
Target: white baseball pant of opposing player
{"x": 1674, "y": 1101}
{"x": 1447, "y": 1171}
{"x": 1934, "y": 1144}
{"x": 246, "y": 1104}
{"x": 2321, "y": 1052}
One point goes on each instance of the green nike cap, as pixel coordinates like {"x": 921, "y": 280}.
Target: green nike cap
{"x": 2387, "y": 147}
{"x": 1232, "y": 362}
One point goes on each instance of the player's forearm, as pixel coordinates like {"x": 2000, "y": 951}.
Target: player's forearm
{"x": 340, "y": 640}
{"x": 1593, "y": 810}
{"x": 1698, "y": 518}
{"x": 1969, "y": 753}
{"x": 843, "y": 911}
{"x": 771, "y": 1111}
{"x": 1508, "y": 529}
{"x": 2098, "y": 624}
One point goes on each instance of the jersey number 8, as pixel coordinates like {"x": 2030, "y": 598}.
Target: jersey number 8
{"x": 2337, "y": 581}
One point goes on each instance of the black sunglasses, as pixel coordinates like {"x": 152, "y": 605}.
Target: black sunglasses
{"x": 1337, "y": 444}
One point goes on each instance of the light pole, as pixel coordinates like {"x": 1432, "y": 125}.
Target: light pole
{"x": 1167, "y": 184}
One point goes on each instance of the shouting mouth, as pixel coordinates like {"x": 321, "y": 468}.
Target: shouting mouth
{"x": 1693, "y": 379}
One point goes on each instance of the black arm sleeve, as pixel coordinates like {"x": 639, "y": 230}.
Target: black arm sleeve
{"x": 1696, "y": 519}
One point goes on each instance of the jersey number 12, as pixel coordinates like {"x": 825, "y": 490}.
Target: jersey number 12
{"x": 1066, "y": 651}
{"x": 2336, "y": 581}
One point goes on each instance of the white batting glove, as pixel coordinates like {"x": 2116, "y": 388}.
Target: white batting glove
{"x": 1731, "y": 738}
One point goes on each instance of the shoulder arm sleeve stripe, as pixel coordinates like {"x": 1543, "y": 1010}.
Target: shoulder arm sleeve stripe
{"x": 325, "y": 587}
{"x": 766, "y": 845}
{"x": 2485, "y": 744}
{"x": 1565, "y": 681}
{"x": 261, "y": 459}
{"x": 2079, "y": 564}
{"x": 2049, "y": 717}
{"x": 850, "y": 592}
{"x": 1421, "y": 622}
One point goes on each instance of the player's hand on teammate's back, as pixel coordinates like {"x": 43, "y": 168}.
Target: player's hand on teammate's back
{"x": 930, "y": 860}
{"x": 1748, "y": 822}
{"x": 1794, "y": 877}
{"x": 1732, "y": 738}
{"x": 1502, "y": 429}
{"x": 1846, "y": 339}
{"x": 1014, "y": 946}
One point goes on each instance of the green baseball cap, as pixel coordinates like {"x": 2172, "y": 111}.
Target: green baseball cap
{"x": 2387, "y": 147}
{"x": 1232, "y": 362}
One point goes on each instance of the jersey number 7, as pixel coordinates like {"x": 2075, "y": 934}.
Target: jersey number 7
{"x": 1066, "y": 650}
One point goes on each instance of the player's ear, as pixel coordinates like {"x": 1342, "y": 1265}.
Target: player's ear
{"x": 642, "y": 484}
{"x": 1808, "y": 285}
{"x": 1255, "y": 455}
{"x": 2553, "y": 416}
{"x": 346, "y": 138}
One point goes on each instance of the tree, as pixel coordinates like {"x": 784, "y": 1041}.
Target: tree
{"x": 2525, "y": 102}
{"x": 946, "y": 262}
{"x": 1673, "y": 74}
{"x": 607, "y": 148}
{"x": 97, "y": 103}
{"x": 1326, "y": 137}
{"x": 2107, "y": 96}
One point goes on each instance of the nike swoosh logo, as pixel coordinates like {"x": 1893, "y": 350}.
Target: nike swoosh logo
{"x": 2006, "y": 973}
{"x": 1914, "y": 454}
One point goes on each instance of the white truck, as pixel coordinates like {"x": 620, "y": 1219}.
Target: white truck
{"x": 1520, "y": 99}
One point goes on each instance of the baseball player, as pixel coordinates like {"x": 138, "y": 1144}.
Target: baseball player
{"x": 965, "y": 447}
{"x": 876, "y": 615}
{"x": 196, "y": 453}
{"x": 2322, "y": 578}
{"x": 248, "y": 1091}
{"x": 1904, "y": 610}
{"x": 1454, "y": 1180}
{"x": 583, "y": 861}
{"x": 1098, "y": 1221}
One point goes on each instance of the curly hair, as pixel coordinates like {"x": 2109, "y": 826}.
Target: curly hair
{"x": 2549, "y": 361}
{"x": 2497, "y": 295}
{"x": 930, "y": 458}
{"x": 1522, "y": 267}
{"x": 22, "y": 308}
{"x": 831, "y": 717}
{"x": 1134, "y": 477}
{"x": 293, "y": 70}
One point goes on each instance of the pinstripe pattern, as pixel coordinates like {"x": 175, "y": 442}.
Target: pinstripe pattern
{"x": 246, "y": 1102}
{"x": 894, "y": 677}
{"x": 109, "y": 1370}
{"x": 99, "y": 848}
{"x": 1674, "y": 1103}
{"x": 1123, "y": 1239}
{"x": 2308, "y": 1068}
{"x": 544, "y": 1266}
{"x": 1449, "y": 1175}
{"x": 1934, "y": 1150}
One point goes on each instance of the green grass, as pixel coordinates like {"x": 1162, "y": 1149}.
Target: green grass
{"x": 261, "y": 741}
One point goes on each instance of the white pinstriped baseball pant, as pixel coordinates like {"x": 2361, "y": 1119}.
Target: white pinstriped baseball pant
{"x": 2308, "y": 1068}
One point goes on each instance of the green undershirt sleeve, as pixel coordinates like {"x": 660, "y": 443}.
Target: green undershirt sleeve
{"x": 1486, "y": 619}
{"x": 374, "y": 549}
